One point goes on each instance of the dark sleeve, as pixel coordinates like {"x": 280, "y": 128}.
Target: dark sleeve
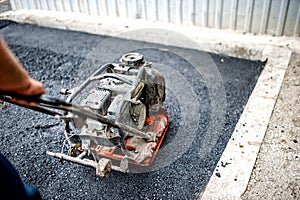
{"x": 11, "y": 184}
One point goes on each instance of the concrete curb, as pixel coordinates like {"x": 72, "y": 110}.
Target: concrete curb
{"x": 233, "y": 171}
{"x": 232, "y": 174}
{"x": 213, "y": 40}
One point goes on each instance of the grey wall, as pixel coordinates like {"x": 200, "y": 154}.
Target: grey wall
{"x": 272, "y": 17}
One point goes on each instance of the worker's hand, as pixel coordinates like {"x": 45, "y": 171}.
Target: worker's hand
{"x": 32, "y": 88}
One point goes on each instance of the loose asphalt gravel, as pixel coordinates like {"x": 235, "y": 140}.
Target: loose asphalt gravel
{"x": 196, "y": 137}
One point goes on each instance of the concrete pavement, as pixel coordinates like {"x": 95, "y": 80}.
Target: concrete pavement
{"x": 276, "y": 174}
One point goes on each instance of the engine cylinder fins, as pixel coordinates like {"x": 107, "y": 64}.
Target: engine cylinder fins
{"x": 132, "y": 59}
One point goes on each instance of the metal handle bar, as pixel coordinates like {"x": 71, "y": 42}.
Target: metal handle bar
{"x": 45, "y": 102}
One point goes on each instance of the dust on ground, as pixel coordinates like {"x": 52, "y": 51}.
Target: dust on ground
{"x": 277, "y": 174}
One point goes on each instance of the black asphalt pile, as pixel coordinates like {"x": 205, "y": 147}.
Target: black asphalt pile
{"x": 206, "y": 94}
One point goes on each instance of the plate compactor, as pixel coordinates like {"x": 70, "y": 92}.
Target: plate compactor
{"x": 115, "y": 119}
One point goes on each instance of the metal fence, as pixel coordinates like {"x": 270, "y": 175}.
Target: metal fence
{"x": 272, "y": 17}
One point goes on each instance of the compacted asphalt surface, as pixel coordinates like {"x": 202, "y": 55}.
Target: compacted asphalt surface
{"x": 205, "y": 95}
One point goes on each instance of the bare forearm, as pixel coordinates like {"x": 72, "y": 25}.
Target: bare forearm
{"x": 12, "y": 75}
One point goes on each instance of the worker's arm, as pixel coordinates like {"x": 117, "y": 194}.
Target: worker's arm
{"x": 13, "y": 77}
